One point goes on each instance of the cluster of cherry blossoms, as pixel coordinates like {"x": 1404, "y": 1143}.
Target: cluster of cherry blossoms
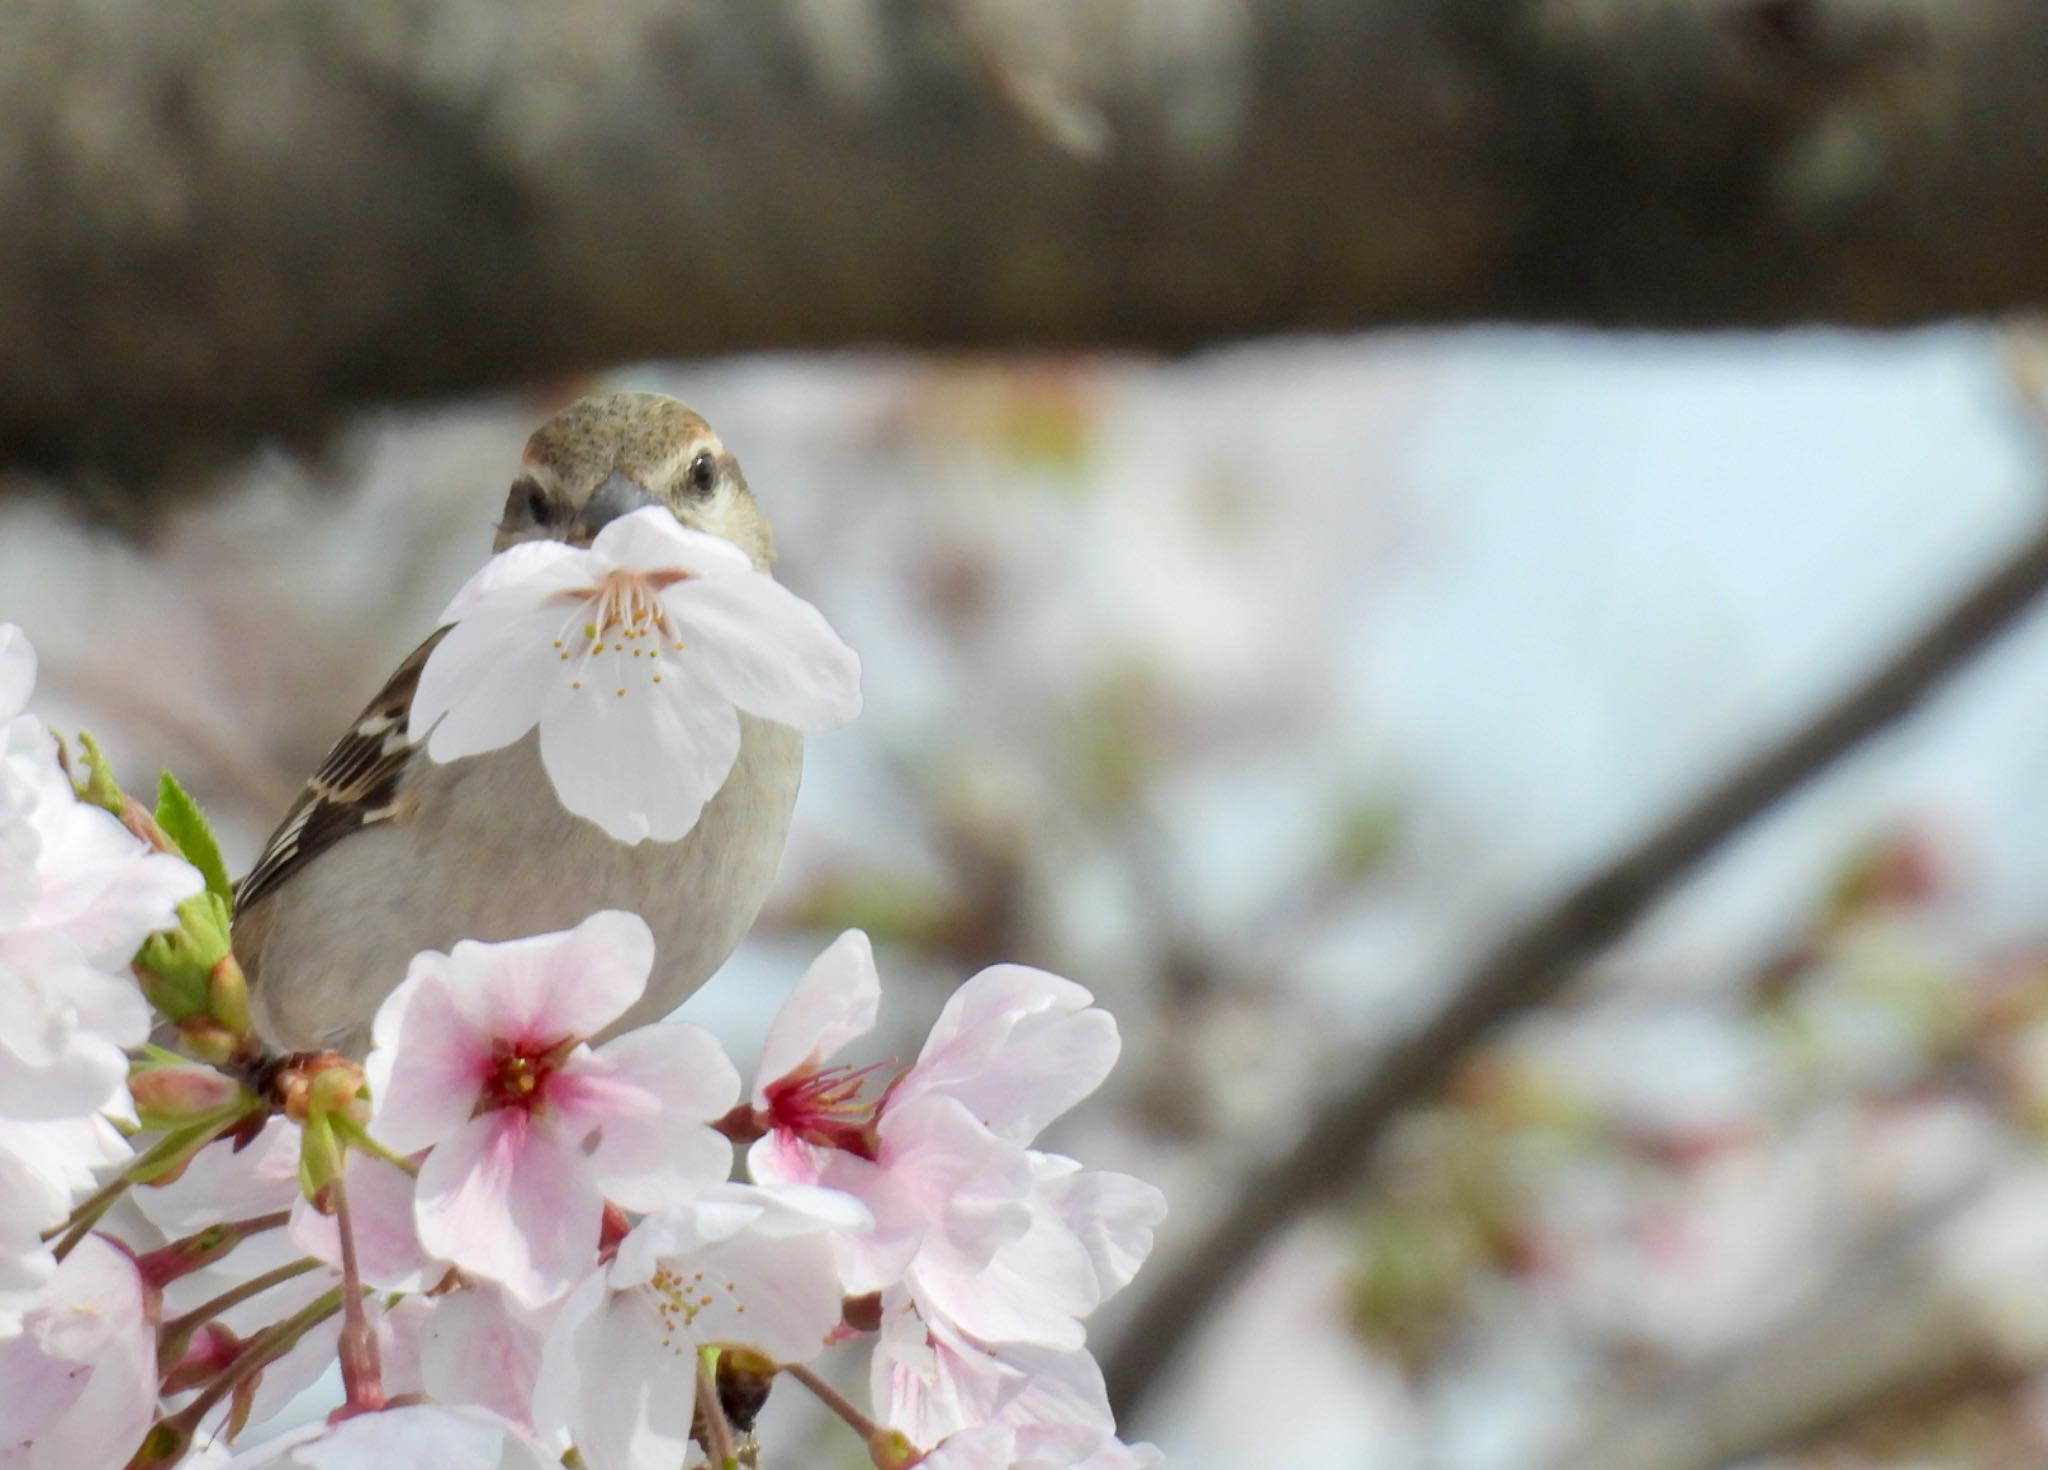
{"x": 521, "y": 1236}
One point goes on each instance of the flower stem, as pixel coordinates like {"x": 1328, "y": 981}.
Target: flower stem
{"x": 175, "y": 1434}
{"x": 80, "y": 1221}
{"x": 175, "y": 1334}
{"x": 888, "y": 1448}
{"x": 718, "y": 1440}
{"x": 362, "y": 1373}
{"x": 358, "y": 1137}
{"x": 202, "y": 1248}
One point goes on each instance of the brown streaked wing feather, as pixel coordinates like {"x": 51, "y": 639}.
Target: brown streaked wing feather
{"x": 355, "y": 787}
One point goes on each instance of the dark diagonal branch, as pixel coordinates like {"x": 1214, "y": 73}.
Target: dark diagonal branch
{"x": 232, "y": 221}
{"x": 1534, "y": 962}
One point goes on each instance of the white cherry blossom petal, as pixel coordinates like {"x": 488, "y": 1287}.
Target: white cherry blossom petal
{"x": 554, "y": 987}
{"x": 1018, "y": 1046}
{"x": 1112, "y": 1215}
{"x": 1034, "y": 1289}
{"x": 485, "y": 684}
{"x": 651, "y": 540}
{"x": 508, "y": 1201}
{"x": 767, "y": 650}
{"x": 610, "y": 1377}
{"x": 254, "y": 1178}
{"x": 643, "y": 763}
{"x": 17, "y": 671}
{"x": 63, "y": 1024}
{"x": 477, "y": 1346}
{"x": 427, "y": 1067}
{"x": 381, "y": 1207}
{"x": 642, "y": 1104}
{"x": 745, "y": 1266}
{"x": 80, "y": 1376}
{"x": 532, "y": 571}
{"x": 835, "y": 1002}
{"x": 409, "y": 1437}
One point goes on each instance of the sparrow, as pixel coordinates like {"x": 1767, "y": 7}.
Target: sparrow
{"x": 386, "y": 852}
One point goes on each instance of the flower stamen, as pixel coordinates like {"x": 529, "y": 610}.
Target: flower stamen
{"x": 625, "y": 608}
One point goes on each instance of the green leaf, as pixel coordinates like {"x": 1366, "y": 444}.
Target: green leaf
{"x": 185, "y": 824}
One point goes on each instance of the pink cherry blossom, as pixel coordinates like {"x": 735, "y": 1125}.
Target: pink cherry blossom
{"x": 1018, "y": 1047}
{"x": 479, "y": 1346}
{"x": 1088, "y": 1233}
{"x": 633, "y": 657}
{"x": 383, "y": 1222}
{"x": 78, "y": 1382}
{"x": 1005, "y": 1244}
{"x": 930, "y": 1380}
{"x": 804, "y": 1104}
{"x": 480, "y": 1056}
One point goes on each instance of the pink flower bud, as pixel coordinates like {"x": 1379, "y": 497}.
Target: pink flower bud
{"x": 166, "y": 1097}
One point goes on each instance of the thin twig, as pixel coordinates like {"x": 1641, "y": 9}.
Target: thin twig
{"x": 1538, "y": 958}
{"x": 182, "y": 1326}
{"x": 79, "y": 1223}
{"x": 833, "y": 1399}
{"x": 262, "y": 1350}
{"x": 362, "y": 1371}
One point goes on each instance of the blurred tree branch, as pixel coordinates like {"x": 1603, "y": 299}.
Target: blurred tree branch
{"x": 1533, "y": 963}
{"x": 230, "y": 222}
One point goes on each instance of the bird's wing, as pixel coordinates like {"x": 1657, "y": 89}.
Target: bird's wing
{"x": 355, "y": 787}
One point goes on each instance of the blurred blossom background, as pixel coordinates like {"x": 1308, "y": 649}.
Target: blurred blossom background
{"x": 1258, "y": 691}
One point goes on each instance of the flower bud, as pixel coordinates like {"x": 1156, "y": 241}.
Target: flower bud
{"x": 198, "y": 1356}
{"x": 167, "y": 1097}
{"x": 321, "y": 1160}
{"x": 338, "y": 1088}
{"x": 176, "y": 967}
{"x": 228, "y": 995}
{"x": 206, "y": 1038}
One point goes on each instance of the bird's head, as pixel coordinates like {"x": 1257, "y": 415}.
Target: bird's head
{"x": 615, "y": 453}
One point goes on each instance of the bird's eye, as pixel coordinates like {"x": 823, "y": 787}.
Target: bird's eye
{"x": 703, "y": 473}
{"x": 528, "y": 505}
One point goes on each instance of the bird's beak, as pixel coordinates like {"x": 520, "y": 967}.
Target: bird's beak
{"x": 619, "y": 495}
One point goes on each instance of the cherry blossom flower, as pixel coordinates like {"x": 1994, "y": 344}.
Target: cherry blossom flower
{"x": 411, "y": 1437}
{"x": 804, "y": 1104}
{"x": 45, "y": 1168}
{"x": 480, "y": 1056}
{"x": 78, "y": 1382}
{"x": 78, "y": 894}
{"x": 930, "y": 1380}
{"x": 744, "y": 1266}
{"x": 479, "y": 1346}
{"x": 632, "y": 657}
{"x": 383, "y": 1222}
{"x": 1015, "y": 1046}
{"x": 1006, "y": 1244}
{"x": 1018, "y": 1047}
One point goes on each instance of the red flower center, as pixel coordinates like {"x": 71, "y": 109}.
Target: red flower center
{"x": 518, "y": 1073}
{"x": 824, "y": 1106}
